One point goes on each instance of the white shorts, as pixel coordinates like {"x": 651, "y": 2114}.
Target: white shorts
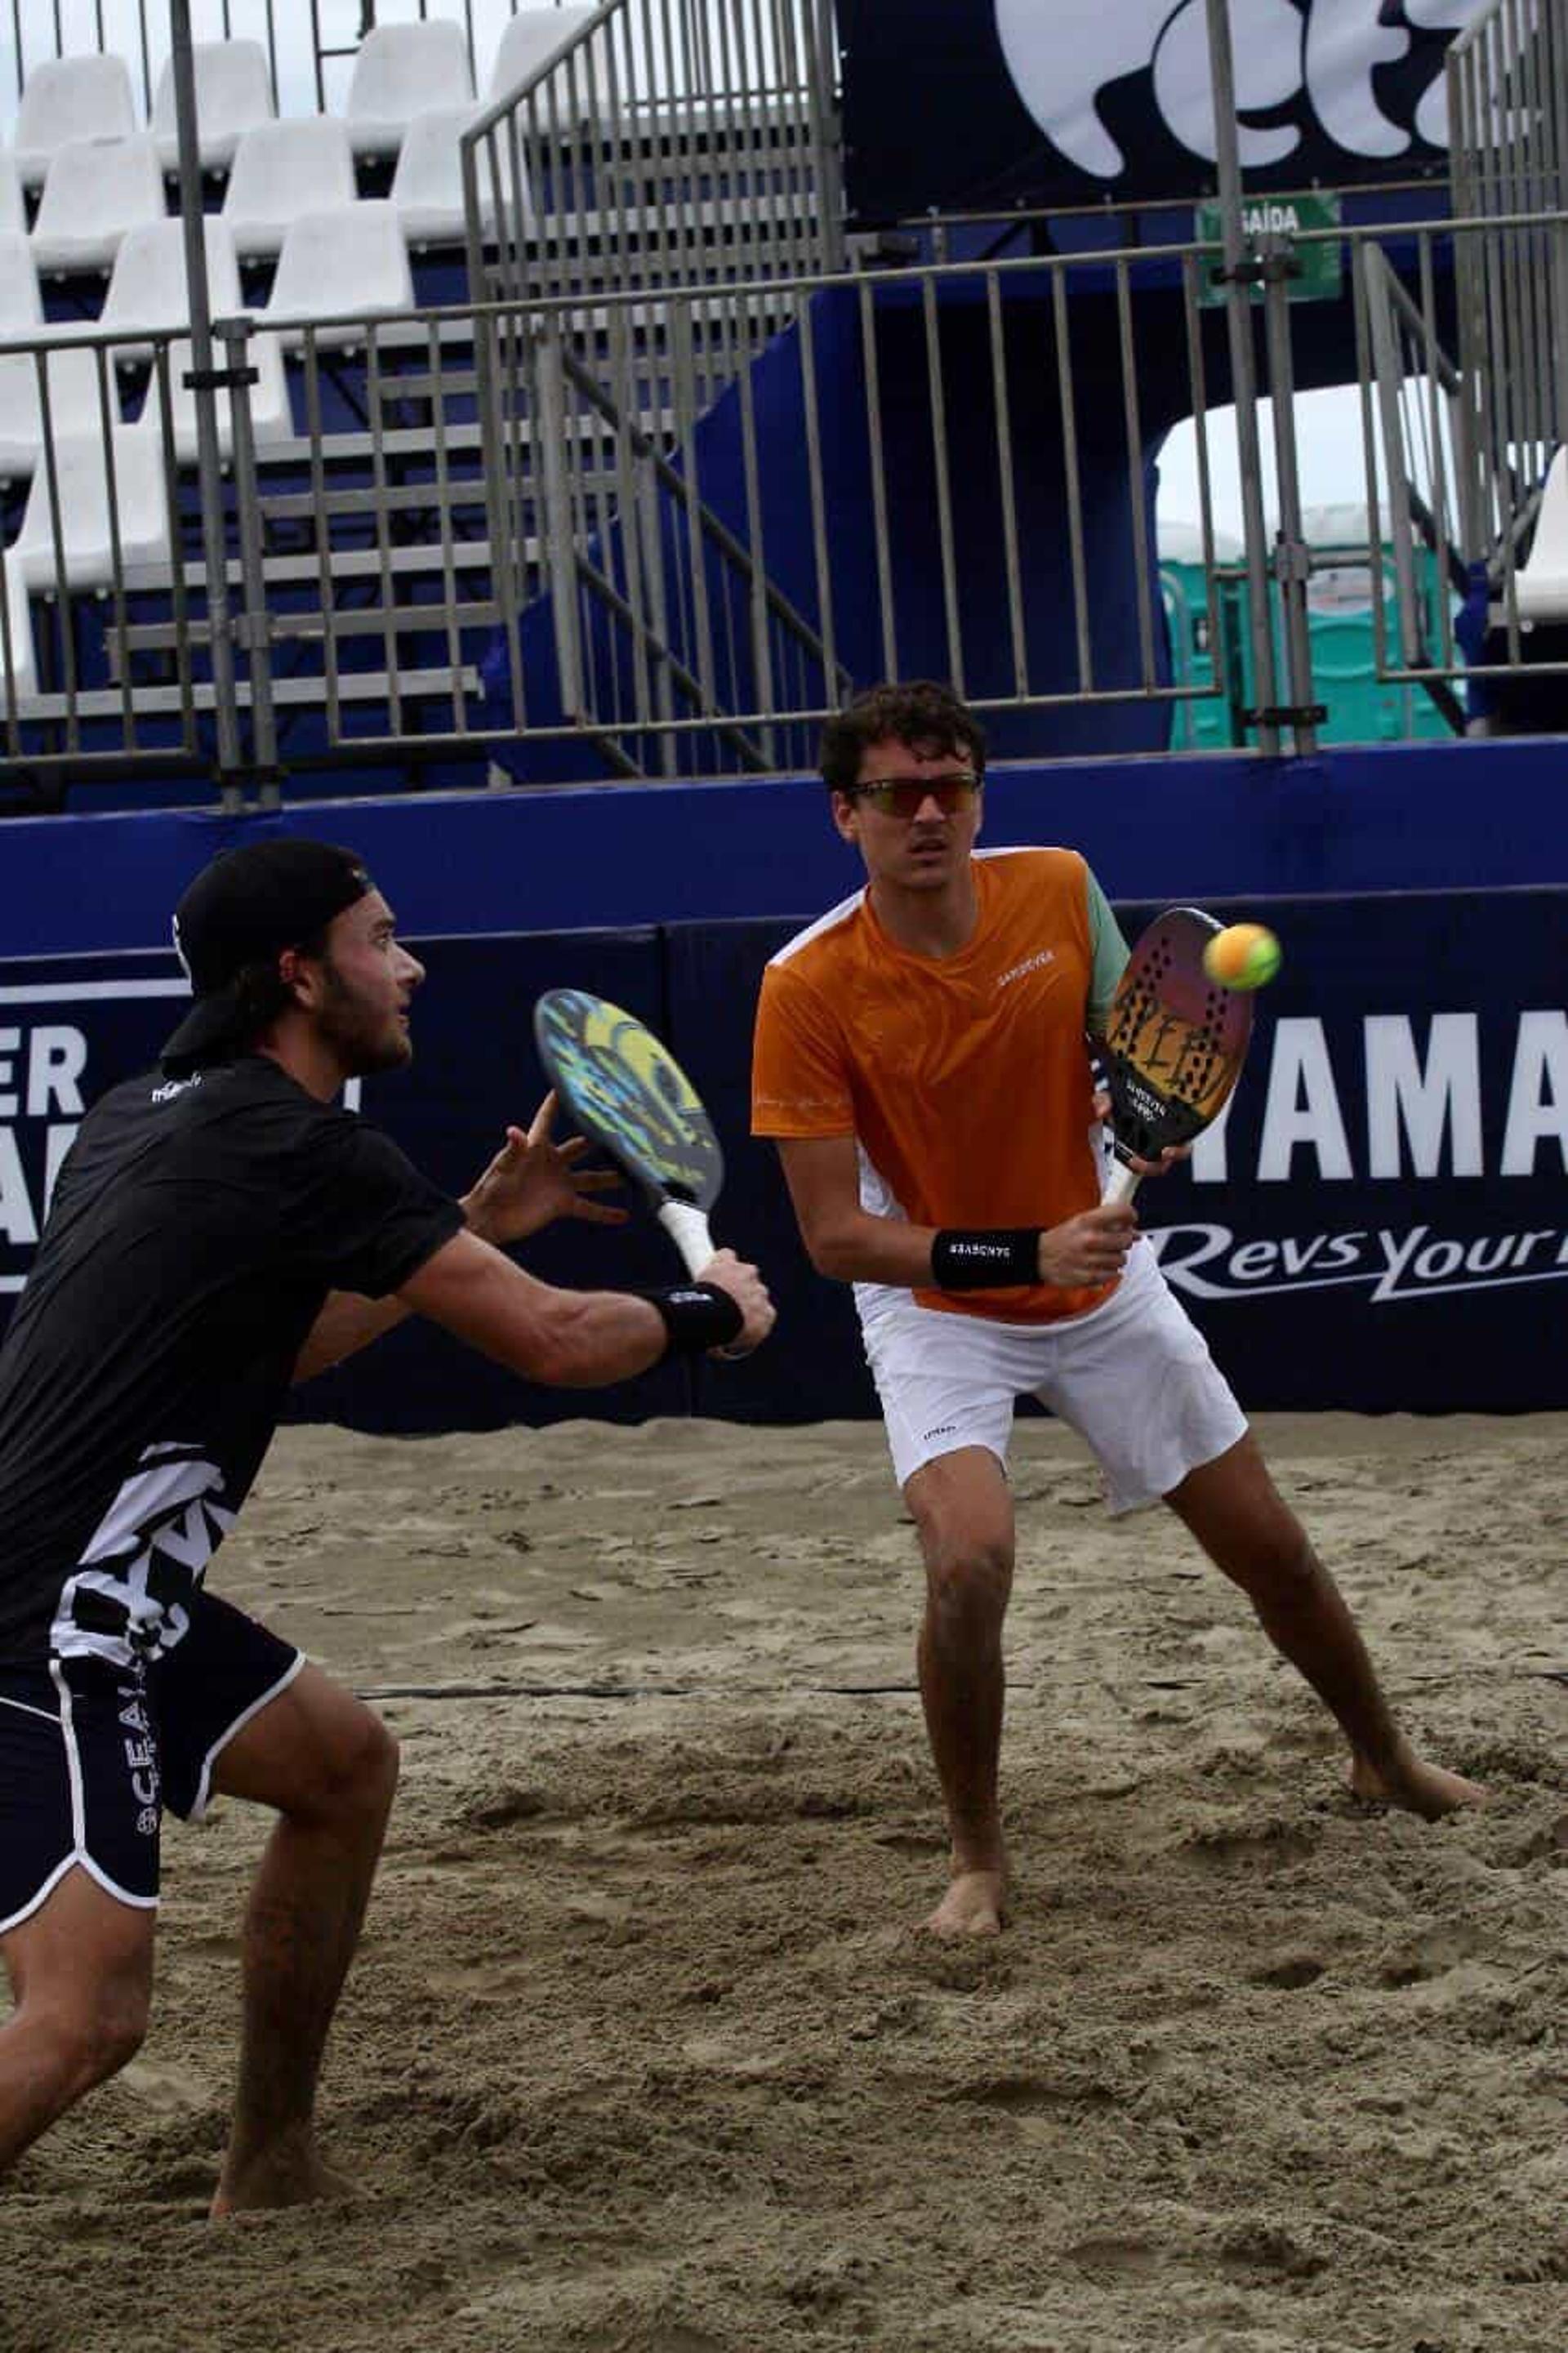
{"x": 1133, "y": 1378}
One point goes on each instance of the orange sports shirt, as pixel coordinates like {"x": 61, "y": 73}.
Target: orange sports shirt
{"x": 964, "y": 1080}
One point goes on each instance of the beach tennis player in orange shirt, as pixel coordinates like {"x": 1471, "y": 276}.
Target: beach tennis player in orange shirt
{"x": 923, "y": 1059}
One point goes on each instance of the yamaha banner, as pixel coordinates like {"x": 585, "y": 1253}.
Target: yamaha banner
{"x": 1381, "y": 1220}
{"x": 966, "y": 105}
{"x": 1379, "y": 1223}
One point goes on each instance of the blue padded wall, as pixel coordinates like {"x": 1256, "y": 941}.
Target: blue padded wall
{"x": 1379, "y": 817}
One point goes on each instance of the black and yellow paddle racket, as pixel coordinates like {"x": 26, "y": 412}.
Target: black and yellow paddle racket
{"x": 1174, "y": 1044}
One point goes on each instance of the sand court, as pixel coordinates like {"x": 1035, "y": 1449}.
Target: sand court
{"x": 643, "y": 2052}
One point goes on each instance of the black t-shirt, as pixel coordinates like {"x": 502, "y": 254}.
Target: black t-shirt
{"x": 196, "y": 1229}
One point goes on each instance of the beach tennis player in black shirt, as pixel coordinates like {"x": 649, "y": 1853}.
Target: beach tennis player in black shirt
{"x": 221, "y": 1229}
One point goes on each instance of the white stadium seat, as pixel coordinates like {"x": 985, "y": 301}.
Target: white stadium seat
{"x": 282, "y": 170}
{"x": 18, "y": 675}
{"x": 21, "y": 314}
{"x": 271, "y": 417}
{"x": 147, "y": 287}
{"x": 147, "y": 291}
{"x": 13, "y": 207}
{"x": 427, "y": 186}
{"x": 75, "y": 403}
{"x": 86, "y": 552}
{"x": 71, "y": 378}
{"x": 93, "y": 194}
{"x": 335, "y": 264}
{"x": 21, "y": 304}
{"x": 532, "y": 37}
{"x": 66, "y": 101}
{"x": 1542, "y": 583}
{"x": 234, "y": 92}
{"x": 400, "y": 71}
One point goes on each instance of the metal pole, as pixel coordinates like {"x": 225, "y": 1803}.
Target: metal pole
{"x": 1243, "y": 370}
{"x": 234, "y": 335}
{"x": 209, "y": 461}
{"x": 1292, "y": 557}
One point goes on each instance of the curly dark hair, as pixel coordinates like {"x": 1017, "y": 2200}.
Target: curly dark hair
{"x": 924, "y": 714}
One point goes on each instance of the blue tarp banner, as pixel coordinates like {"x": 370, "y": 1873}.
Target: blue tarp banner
{"x": 1381, "y": 1224}
{"x": 966, "y": 105}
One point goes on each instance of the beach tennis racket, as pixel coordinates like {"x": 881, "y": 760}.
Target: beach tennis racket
{"x": 1174, "y": 1044}
{"x": 628, "y": 1094}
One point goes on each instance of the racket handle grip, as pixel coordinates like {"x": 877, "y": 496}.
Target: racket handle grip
{"x": 687, "y": 1229}
{"x": 1120, "y": 1185}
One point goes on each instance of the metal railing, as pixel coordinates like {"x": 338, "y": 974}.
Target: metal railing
{"x": 533, "y": 522}
{"x": 665, "y": 621}
{"x": 1507, "y": 107}
{"x": 1433, "y": 481}
{"x": 659, "y": 146}
{"x": 97, "y": 513}
{"x": 583, "y": 488}
{"x": 1415, "y": 417}
{"x": 363, "y": 611}
{"x": 950, "y": 480}
{"x": 353, "y": 565}
{"x": 722, "y": 571}
{"x": 496, "y": 521}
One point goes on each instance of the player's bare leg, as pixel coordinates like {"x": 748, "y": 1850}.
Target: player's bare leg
{"x": 1239, "y": 1516}
{"x": 329, "y": 1766}
{"x": 964, "y": 1514}
{"x": 81, "y": 1979}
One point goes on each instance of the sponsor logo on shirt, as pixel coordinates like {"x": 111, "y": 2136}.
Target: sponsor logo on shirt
{"x": 1030, "y": 963}
{"x": 172, "y": 1087}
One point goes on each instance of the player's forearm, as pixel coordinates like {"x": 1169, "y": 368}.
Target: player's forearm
{"x": 346, "y": 1324}
{"x": 592, "y": 1338}
{"x": 349, "y": 1323}
{"x": 874, "y": 1249}
{"x": 569, "y": 1339}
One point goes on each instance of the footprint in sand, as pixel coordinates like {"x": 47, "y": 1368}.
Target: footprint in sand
{"x": 167, "y": 2090}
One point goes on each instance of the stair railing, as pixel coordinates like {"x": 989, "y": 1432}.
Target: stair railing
{"x": 660, "y": 145}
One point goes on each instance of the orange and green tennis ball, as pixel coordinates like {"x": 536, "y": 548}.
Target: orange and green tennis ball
{"x": 1244, "y": 955}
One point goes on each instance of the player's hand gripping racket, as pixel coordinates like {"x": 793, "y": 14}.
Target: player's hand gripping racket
{"x": 1174, "y": 1045}
{"x": 631, "y": 1096}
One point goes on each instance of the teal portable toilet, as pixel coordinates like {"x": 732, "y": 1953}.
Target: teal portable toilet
{"x": 1343, "y": 589}
{"x": 1346, "y": 581}
{"x": 1207, "y": 725}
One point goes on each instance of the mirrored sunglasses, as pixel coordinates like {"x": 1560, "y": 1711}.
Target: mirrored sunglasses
{"x": 905, "y": 796}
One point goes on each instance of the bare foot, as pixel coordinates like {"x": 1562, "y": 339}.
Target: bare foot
{"x": 1419, "y": 1787}
{"x": 974, "y": 1906}
{"x": 288, "y": 2176}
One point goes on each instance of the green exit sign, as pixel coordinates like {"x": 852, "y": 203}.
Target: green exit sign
{"x": 1319, "y": 269}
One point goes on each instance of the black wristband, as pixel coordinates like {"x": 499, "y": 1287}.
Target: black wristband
{"x": 990, "y": 1259}
{"x": 697, "y": 1316}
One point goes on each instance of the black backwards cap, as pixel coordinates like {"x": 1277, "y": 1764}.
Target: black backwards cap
{"x": 243, "y": 909}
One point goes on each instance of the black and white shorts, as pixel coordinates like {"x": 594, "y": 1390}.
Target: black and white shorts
{"x": 90, "y": 1754}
